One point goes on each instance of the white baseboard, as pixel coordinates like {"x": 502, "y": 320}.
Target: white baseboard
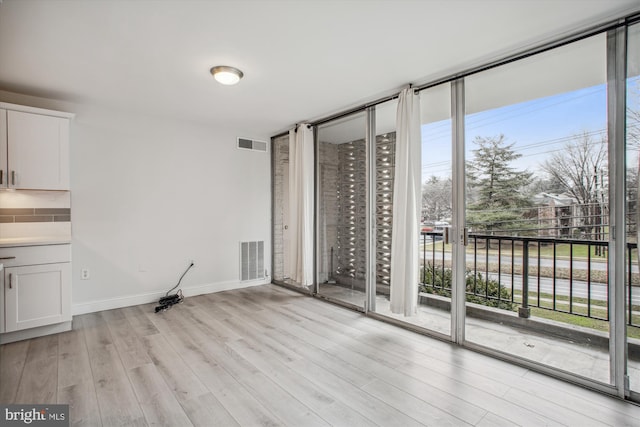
{"x": 129, "y": 300}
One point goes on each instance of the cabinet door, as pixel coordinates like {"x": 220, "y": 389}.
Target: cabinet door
{"x": 37, "y": 295}
{"x": 38, "y": 151}
{"x": 4, "y": 171}
{"x": 2, "y": 310}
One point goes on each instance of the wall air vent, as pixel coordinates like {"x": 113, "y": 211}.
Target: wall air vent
{"x": 252, "y": 260}
{"x": 252, "y": 144}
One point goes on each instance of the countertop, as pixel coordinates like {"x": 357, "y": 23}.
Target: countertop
{"x": 8, "y": 242}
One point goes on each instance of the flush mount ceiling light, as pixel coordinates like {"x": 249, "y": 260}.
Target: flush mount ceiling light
{"x": 226, "y": 75}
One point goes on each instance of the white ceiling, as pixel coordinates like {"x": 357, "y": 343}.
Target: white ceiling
{"x": 302, "y": 59}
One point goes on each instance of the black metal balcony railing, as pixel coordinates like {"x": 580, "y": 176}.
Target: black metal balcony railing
{"x": 562, "y": 275}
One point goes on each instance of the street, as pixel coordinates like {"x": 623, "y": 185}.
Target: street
{"x": 578, "y": 288}
{"x": 578, "y": 264}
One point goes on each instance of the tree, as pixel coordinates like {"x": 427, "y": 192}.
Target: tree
{"x": 436, "y": 198}
{"x": 496, "y": 188}
{"x": 580, "y": 170}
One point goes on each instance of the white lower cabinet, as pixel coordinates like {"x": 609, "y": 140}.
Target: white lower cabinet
{"x": 36, "y": 287}
{"x": 37, "y": 295}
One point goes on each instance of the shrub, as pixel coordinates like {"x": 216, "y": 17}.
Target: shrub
{"x": 479, "y": 290}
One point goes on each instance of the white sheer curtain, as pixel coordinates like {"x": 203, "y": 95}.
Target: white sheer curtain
{"x": 301, "y": 204}
{"x": 406, "y": 206}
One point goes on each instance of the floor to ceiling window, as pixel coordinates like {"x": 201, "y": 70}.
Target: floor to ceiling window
{"x": 537, "y": 209}
{"x": 632, "y": 296}
{"x": 520, "y": 205}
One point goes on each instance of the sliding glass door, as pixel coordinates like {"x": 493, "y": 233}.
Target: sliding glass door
{"x": 341, "y": 172}
{"x": 382, "y": 197}
{"x": 280, "y": 212}
{"x": 434, "y": 287}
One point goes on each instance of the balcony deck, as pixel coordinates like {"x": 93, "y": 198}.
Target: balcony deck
{"x": 590, "y": 361}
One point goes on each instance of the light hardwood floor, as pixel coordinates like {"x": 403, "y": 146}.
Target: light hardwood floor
{"x": 270, "y": 356}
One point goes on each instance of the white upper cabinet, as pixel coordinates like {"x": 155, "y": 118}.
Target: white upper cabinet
{"x": 4, "y": 168}
{"x": 34, "y": 148}
{"x": 38, "y": 149}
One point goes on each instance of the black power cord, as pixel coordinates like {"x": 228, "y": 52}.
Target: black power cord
{"x": 169, "y": 300}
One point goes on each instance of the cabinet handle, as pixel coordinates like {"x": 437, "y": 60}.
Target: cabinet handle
{"x": 10, "y": 280}
{"x": 13, "y": 177}
{"x": 1, "y": 176}
{"x": 7, "y": 257}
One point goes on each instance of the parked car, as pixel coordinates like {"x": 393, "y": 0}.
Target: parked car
{"x": 433, "y": 227}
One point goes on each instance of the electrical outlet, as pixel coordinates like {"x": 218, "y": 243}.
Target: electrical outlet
{"x": 84, "y": 274}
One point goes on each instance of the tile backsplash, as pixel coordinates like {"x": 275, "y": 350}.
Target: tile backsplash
{"x": 35, "y": 214}
{"x": 8, "y": 215}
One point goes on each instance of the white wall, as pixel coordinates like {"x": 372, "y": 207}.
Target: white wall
{"x": 150, "y": 194}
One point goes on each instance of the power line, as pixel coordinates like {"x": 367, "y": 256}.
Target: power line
{"x": 528, "y": 108}
{"x": 525, "y": 147}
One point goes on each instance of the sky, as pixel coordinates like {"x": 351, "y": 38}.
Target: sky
{"x": 540, "y": 127}
{"x": 537, "y": 128}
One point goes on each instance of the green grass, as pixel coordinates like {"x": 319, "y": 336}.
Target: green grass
{"x": 579, "y": 251}
{"x": 598, "y": 309}
{"x": 587, "y": 322}
{"x": 563, "y": 250}
{"x": 565, "y": 298}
